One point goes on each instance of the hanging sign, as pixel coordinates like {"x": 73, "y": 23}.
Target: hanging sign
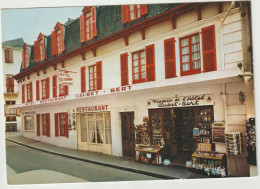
{"x": 182, "y": 101}
{"x": 65, "y": 78}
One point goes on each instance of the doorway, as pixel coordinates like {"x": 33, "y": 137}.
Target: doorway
{"x": 128, "y": 134}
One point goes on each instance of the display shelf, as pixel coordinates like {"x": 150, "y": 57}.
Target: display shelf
{"x": 234, "y": 143}
{"x": 149, "y": 154}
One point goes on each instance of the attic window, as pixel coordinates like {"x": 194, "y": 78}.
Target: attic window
{"x": 26, "y": 56}
{"x": 57, "y": 39}
{"x": 133, "y": 12}
{"x": 40, "y": 48}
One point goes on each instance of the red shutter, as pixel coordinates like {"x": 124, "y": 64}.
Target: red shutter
{"x": 44, "y": 48}
{"x": 23, "y": 59}
{"x": 66, "y": 90}
{"x": 48, "y": 124}
{"x": 38, "y": 124}
{"x": 143, "y": 9}
{"x": 11, "y": 56}
{"x": 31, "y": 92}
{"x": 6, "y": 55}
{"x": 47, "y": 87}
{"x": 23, "y": 94}
{"x": 62, "y": 38}
{"x": 94, "y": 19}
{"x": 82, "y": 28}
{"x": 124, "y": 69}
{"x": 99, "y": 75}
{"x": 54, "y": 86}
{"x": 83, "y": 79}
{"x": 27, "y": 55}
{"x": 209, "y": 49}
{"x": 150, "y": 63}
{"x": 56, "y": 124}
{"x": 169, "y": 55}
{"x": 125, "y": 13}
{"x": 36, "y": 51}
{"x": 66, "y": 125}
{"x": 37, "y": 90}
{"x": 54, "y": 42}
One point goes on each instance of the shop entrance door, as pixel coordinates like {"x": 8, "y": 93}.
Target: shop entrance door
{"x": 128, "y": 134}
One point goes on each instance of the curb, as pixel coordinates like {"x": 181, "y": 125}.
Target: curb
{"x": 99, "y": 163}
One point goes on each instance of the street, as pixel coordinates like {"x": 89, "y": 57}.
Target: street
{"x": 22, "y": 159}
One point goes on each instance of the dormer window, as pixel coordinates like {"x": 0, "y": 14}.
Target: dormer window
{"x": 88, "y": 28}
{"x": 57, "y": 39}
{"x": 133, "y": 12}
{"x": 26, "y": 56}
{"x": 40, "y": 48}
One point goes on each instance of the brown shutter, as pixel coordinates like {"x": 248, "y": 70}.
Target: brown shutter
{"x": 38, "y": 120}
{"x": 44, "y": 48}
{"x": 99, "y": 75}
{"x": 56, "y": 124}
{"x": 6, "y": 55}
{"x": 125, "y": 13}
{"x": 36, "y": 51}
{"x": 66, "y": 128}
{"x": 124, "y": 69}
{"x": 83, "y": 78}
{"x": 66, "y": 90}
{"x": 37, "y": 90}
{"x": 54, "y": 86}
{"x": 209, "y": 48}
{"x": 150, "y": 63}
{"x": 47, "y": 87}
{"x": 54, "y": 42}
{"x": 23, "y": 59}
{"x": 27, "y": 55}
{"x": 23, "y": 94}
{"x": 31, "y": 92}
{"x": 169, "y": 55}
{"x": 143, "y": 9}
{"x": 48, "y": 124}
{"x": 11, "y": 60}
{"x": 62, "y": 38}
{"x": 82, "y": 28}
{"x": 94, "y": 23}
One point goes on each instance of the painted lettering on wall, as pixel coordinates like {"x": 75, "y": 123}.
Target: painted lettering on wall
{"x": 92, "y": 108}
{"x": 60, "y": 98}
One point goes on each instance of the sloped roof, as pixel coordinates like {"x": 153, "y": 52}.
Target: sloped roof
{"x": 17, "y": 43}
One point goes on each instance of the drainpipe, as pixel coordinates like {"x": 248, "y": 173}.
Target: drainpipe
{"x": 231, "y": 6}
{"x": 224, "y": 98}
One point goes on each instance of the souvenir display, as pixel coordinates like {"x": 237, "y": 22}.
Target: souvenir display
{"x": 142, "y": 134}
{"x": 157, "y": 135}
{"x": 234, "y": 143}
{"x": 251, "y": 141}
{"x": 149, "y": 155}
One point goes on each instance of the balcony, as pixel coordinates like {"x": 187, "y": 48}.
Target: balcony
{"x": 11, "y": 89}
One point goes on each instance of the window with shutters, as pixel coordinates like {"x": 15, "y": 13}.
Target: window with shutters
{"x": 29, "y": 92}
{"x": 9, "y": 56}
{"x": 26, "y": 56}
{"x": 45, "y": 88}
{"x": 9, "y": 83}
{"x": 190, "y": 54}
{"x": 95, "y": 76}
{"x": 10, "y": 113}
{"x": 57, "y": 38}
{"x": 29, "y": 123}
{"x": 63, "y": 90}
{"x": 133, "y": 12}
{"x": 45, "y": 122}
{"x": 40, "y": 48}
{"x": 88, "y": 28}
{"x": 61, "y": 124}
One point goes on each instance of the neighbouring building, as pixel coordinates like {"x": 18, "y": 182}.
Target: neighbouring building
{"x": 154, "y": 82}
{"x": 11, "y": 60}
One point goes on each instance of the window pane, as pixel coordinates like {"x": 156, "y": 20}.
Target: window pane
{"x": 136, "y": 63}
{"x": 142, "y": 54}
{"x": 185, "y": 50}
{"x": 107, "y": 120}
{"x": 90, "y": 69}
{"x": 91, "y": 76}
{"x": 184, "y": 42}
{"x": 143, "y": 68}
{"x": 143, "y": 75}
{"x": 185, "y": 67}
{"x": 91, "y": 116}
{"x": 136, "y": 76}
{"x": 136, "y": 69}
{"x": 195, "y": 39}
{"x": 185, "y": 58}
{"x": 100, "y": 131}
{"x": 196, "y": 65}
{"x": 196, "y": 56}
{"x": 135, "y": 56}
{"x": 83, "y": 125}
{"x": 99, "y": 115}
{"x": 91, "y": 131}
{"x": 143, "y": 61}
{"x": 196, "y": 47}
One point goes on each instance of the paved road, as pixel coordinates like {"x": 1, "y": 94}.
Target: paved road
{"x": 22, "y": 159}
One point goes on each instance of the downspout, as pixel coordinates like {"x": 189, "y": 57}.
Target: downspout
{"x": 224, "y": 98}
{"x": 231, "y": 6}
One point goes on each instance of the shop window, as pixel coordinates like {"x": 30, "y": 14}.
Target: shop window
{"x": 98, "y": 130}
{"x": 45, "y": 88}
{"x": 63, "y": 90}
{"x": 57, "y": 39}
{"x": 29, "y": 92}
{"x": 40, "y": 48}
{"x": 29, "y": 122}
{"x": 9, "y": 56}
{"x": 45, "y": 124}
{"x": 26, "y": 56}
{"x": 95, "y": 76}
{"x": 88, "y": 28}
{"x": 9, "y": 83}
{"x": 61, "y": 124}
{"x": 133, "y": 12}
{"x": 143, "y": 65}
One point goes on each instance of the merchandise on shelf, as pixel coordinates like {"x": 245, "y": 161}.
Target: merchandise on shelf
{"x": 251, "y": 141}
{"x": 234, "y": 143}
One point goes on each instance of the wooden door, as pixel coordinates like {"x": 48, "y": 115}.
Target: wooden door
{"x": 128, "y": 134}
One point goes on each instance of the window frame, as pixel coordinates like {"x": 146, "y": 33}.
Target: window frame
{"x": 24, "y": 120}
{"x": 140, "y": 79}
{"x": 44, "y": 124}
{"x": 94, "y": 73}
{"x": 61, "y": 116}
{"x": 44, "y": 88}
{"x": 136, "y": 10}
{"x": 29, "y": 92}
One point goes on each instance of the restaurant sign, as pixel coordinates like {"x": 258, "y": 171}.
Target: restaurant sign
{"x": 65, "y": 78}
{"x": 182, "y": 101}
{"x": 94, "y": 108}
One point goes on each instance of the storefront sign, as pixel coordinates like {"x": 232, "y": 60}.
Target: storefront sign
{"x": 65, "y": 78}
{"x": 193, "y": 100}
{"x": 28, "y": 113}
{"x": 56, "y": 99}
{"x": 218, "y": 132}
{"x": 98, "y": 108}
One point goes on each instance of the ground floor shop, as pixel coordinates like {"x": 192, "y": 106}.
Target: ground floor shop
{"x": 173, "y": 123}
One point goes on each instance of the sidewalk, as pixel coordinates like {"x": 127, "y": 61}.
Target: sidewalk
{"x": 123, "y": 163}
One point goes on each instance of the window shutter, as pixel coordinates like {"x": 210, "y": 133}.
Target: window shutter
{"x": 54, "y": 42}
{"x": 99, "y": 75}
{"x": 47, "y": 87}
{"x": 36, "y": 51}
{"x": 23, "y": 59}
{"x": 38, "y": 124}
{"x": 23, "y": 94}
{"x": 54, "y": 86}
{"x": 150, "y": 63}
{"x": 209, "y": 49}
{"x": 125, "y": 13}
{"x": 44, "y": 48}
{"x": 143, "y": 9}
{"x": 66, "y": 125}
{"x": 124, "y": 69}
{"x": 83, "y": 79}
{"x": 10, "y": 56}
{"x": 6, "y": 55}
{"x": 56, "y": 124}
{"x": 94, "y": 19}
{"x": 31, "y": 92}
{"x": 66, "y": 90}
{"x": 37, "y": 90}
{"x": 48, "y": 123}
{"x": 169, "y": 55}
{"x": 27, "y": 55}
{"x": 82, "y": 28}
{"x": 62, "y": 29}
